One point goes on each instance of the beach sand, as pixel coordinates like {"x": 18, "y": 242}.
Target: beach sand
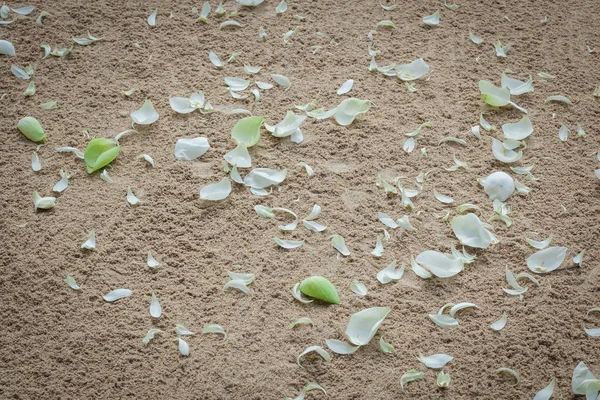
{"x": 59, "y": 343}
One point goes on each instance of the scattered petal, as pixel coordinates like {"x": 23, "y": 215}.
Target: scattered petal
{"x": 444, "y": 321}
{"x": 410, "y": 376}
{"x": 150, "y": 335}
{"x": 302, "y": 320}
{"x": 510, "y": 371}
{"x": 288, "y": 244}
{"x": 183, "y": 347}
{"x": 501, "y": 323}
{"x": 214, "y": 328}
{"x": 90, "y": 243}
{"x": 190, "y": 149}
{"x": 547, "y": 260}
{"x": 69, "y": 280}
{"x": 145, "y": 115}
{"x": 131, "y": 198}
{"x": 546, "y": 392}
{"x": 435, "y": 361}
{"x": 364, "y": 324}
{"x": 346, "y": 87}
{"x": 339, "y": 347}
{"x": 358, "y": 288}
{"x": 339, "y": 244}
{"x": 62, "y": 184}
{"x": 117, "y": 294}
{"x": 385, "y": 346}
{"x": 155, "y": 308}
{"x": 433, "y": 19}
{"x": 318, "y": 349}
{"x": 216, "y": 191}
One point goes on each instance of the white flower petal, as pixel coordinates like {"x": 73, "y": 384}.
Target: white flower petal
{"x": 216, "y": 191}
{"x": 145, "y": 115}
{"x": 364, "y": 324}
{"x": 440, "y": 264}
{"x": 339, "y": 347}
{"x": 117, "y": 294}
{"x": 547, "y": 260}
{"x": 190, "y": 149}
{"x": 345, "y": 88}
{"x": 435, "y": 361}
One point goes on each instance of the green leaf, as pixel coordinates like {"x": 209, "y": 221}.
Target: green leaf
{"x": 32, "y": 129}
{"x": 247, "y": 131}
{"x": 320, "y": 288}
{"x": 99, "y": 153}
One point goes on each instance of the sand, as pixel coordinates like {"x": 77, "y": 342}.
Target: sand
{"x": 59, "y": 343}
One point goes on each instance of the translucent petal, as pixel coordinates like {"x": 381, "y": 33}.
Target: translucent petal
{"x": 345, "y": 88}
{"x": 339, "y": 244}
{"x": 131, "y": 198}
{"x": 433, "y": 19}
{"x": 349, "y": 109}
{"x": 183, "y": 347}
{"x": 288, "y": 244}
{"x": 547, "y": 260}
{"x": 510, "y": 371}
{"x": 216, "y": 191}
{"x": 515, "y": 86}
{"x": 519, "y": 130}
{"x": 359, "y": 288}
{"x": 155, "y": 308}
{"x": 494, "y": 95}
{"x": 117, "y": 294}
{"x": 364, "y": 324}
{"x": 237, "y": 84}
{"x": 390, "y": 273}
{"x": 181, "y": 105}
{"x": 318, "y": 349}
{"x": 501, "y": 323}
{"x": 412, "y": 71}
{"x": 62, "y": 184}
{"x": 440, "y": 264}
{"x": 281, "y": 80}
{"x": 151, "y": 261}
{"x": 190, "y": 149}
{"x": 474, "y": 38}
{"x": 90, "y": 243}
{"x": 339, "y": 347}
{"x": 444, "y": 321}
{"x": 260, "y": 178}
{"x": 214, "y": 328}
{"x": 385, "y": 346}
{"x": 230, "y": 23}
{"x": 435, "y": 361}
{"x": 152, "y": 18}
{"x": 501, "y": 153}
{"x": 145, "y": 115}
{"x": 546, "y": 392}
{"x": 247, "y": 131}
{"x": 239, "y": 157}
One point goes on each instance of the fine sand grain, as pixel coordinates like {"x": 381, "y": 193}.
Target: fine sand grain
{"x": 59, "y": 343}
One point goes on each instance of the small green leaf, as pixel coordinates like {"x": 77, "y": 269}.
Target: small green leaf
{"x": 32, "y": 129}
{"x": 247, "y": 131}
{"x": 99, "y": 153}
{"x": 320, "y": 288}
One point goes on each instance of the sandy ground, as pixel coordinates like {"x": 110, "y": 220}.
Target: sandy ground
{"x": 59, "y": 343}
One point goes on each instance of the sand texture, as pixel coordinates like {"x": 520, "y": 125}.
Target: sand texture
{"x": 57, "y": 343}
